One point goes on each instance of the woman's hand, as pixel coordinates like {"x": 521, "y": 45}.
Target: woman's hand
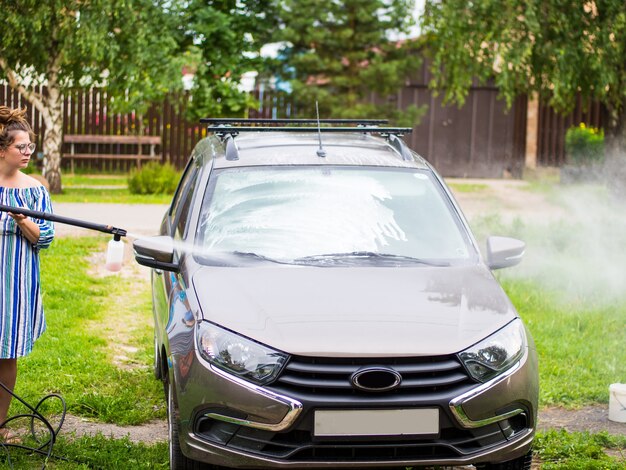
{"x": 17, "y": 217}
{"x": 29, "y": 228}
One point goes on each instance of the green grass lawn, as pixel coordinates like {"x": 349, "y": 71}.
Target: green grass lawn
{"x": 468, "y": 187}
{"x": 569, "y": 289}
{"x": 109, "y": 195}
{"x": 580, "y": 345}
{"x": 91, "y": 322}
{"x": 75, "y": 179}
{"x": 560, "y": 450}
{"x": 87, "y": 453}
{"x": 104, "y": 188}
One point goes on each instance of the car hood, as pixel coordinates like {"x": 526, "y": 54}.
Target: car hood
{"x": 355, "y": 312}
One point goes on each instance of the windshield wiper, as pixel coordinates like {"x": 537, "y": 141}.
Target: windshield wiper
{"x": 258, "y": 257}
{"x": 356, "y": 255}
{"x": 226, "y": 258}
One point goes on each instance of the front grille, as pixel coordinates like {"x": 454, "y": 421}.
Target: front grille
{"x": 324, "y": 383}
{"x": 308, "y": 376}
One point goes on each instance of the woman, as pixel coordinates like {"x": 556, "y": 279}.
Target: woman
{"x": 21, "y": 313}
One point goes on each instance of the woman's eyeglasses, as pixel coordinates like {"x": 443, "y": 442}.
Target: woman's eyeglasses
{"x": 22, "y": 148}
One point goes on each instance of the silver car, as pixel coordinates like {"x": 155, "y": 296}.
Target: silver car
{"x": 320, "y": 302}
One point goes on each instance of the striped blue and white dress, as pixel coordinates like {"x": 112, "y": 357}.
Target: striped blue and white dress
{"x": 21, "y": 313}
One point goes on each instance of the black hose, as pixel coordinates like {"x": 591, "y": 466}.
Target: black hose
{"x": 46, "y": 442}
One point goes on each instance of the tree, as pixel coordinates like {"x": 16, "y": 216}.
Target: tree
{"x": 558, "y": 49}
{"x": 227, "y": 36}
{"x": 128, "y": 47}
{"x": 340, "y": 53}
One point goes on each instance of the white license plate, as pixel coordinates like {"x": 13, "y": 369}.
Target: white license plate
{"x": 376, "y": 422}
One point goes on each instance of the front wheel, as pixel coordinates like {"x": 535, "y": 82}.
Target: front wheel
{"x": 178, "y": 461}
{"x": 521, "y": 463}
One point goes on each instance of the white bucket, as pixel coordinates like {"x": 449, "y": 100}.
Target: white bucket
{"x": 617, "y": 403}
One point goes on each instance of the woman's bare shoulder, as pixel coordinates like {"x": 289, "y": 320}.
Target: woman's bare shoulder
{"x": 33, "y": 181}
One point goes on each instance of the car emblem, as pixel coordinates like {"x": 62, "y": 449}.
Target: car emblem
{"x": 376, "y": 379}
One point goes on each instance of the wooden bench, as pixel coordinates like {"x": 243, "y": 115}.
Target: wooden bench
{"x": 105, "y": 144}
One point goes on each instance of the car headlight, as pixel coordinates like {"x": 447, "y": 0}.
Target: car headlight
{"x": 238, "y": 355}
{"x": 497, "y": 353}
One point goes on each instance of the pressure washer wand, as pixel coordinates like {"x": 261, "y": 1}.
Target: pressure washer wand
{"x": 115, "y": 249}
{"x": 117, "y": 232}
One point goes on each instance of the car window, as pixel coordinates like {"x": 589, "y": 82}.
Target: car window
{"x": 185, "y": 206}
{"x": 317, "y": 214}
{"x": 178, "y": 195}
{"x": 181, "y": 201}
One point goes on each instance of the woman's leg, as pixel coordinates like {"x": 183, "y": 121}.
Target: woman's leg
{"x": 8, "y": 375}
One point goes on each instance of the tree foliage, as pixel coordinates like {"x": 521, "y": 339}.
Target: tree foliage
{"x": 226, "y": 36}
{"x": 340, "y": 53}
{"x": 124, "y": 46}
{"x": 559, "y": 49}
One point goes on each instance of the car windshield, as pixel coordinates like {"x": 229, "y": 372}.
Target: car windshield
{"x": 329, "y": 216}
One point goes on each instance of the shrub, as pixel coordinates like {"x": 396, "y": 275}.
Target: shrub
{"x": 584, "y": 145}
{"x": 153, "y": 178}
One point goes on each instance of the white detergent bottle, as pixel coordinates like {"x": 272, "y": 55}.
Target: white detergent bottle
{"x": 115, "y": 254}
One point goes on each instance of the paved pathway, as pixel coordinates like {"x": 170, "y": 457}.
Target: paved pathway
{"x": 138, "y": 219}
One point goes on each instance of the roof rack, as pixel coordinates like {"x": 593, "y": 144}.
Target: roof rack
{"x": 229, "y": 128}
{"x": 292, "y": 121}
{"x": 233, "y": 126}
{"x": 235, "y": 130}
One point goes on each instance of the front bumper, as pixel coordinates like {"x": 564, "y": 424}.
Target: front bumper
{"x": 241, "y": 425}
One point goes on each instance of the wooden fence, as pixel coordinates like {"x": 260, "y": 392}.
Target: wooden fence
{"x": 480, "y": 139}
{"x": 89, "y": 112}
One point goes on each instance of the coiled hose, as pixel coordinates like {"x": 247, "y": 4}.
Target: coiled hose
{"x": 44, "y": 437}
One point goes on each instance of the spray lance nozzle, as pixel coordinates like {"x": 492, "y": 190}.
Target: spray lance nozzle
{"x": 118, "y": 233}
{"x": 115, "y": 248}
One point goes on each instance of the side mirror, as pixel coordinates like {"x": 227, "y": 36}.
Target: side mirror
{"x": 156, "y": 252}
{"x": 503, "y": 252}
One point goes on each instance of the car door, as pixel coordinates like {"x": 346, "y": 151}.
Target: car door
{"x": 166, "y": 286}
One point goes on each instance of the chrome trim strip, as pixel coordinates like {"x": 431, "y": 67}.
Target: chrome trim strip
{"x": 199, "y": 448}
{"x": 456, "y": 404}
{"x": 294, "y": 407}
